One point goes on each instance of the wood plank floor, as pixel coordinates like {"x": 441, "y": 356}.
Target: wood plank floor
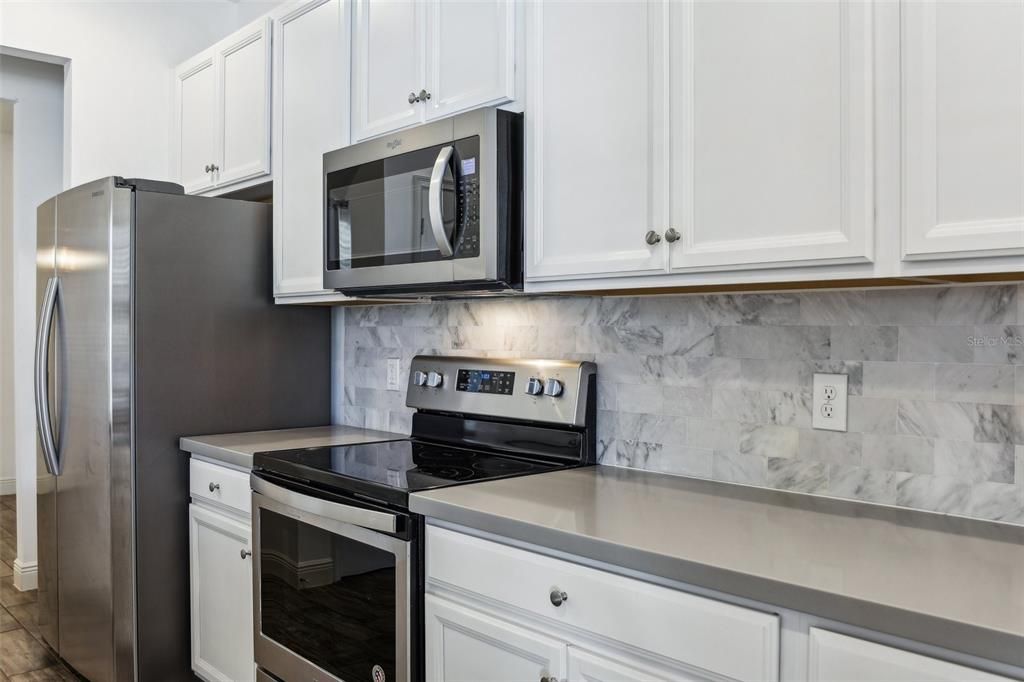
{"x": 23, "y": 656}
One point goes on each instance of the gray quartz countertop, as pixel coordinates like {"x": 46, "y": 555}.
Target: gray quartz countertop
{"x": 942, "y": 580}
{"x": 238, "y": 448}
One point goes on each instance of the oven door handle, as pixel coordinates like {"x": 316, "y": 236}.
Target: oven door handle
{"x": 444, "y": 245}
{"x": 356, "y": 516}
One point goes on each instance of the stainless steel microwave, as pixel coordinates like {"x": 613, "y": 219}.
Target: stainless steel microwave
{"x": 433, "y": 210}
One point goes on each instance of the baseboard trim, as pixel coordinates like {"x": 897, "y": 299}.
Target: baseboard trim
{"x": 8, "y": 486}
{"x": 26, "y": 575}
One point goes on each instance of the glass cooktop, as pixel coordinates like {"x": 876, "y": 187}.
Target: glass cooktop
{"x": 390, "y": 470}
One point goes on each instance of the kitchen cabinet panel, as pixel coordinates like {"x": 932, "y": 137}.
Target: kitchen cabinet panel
{"x": 245, "y": 98}
{"x": 587, "y": 666}
{"x": 595, "y": 138}
{"x": 464, "y": 645}
{"x": 311, "y": 115}
{"x": 197, "y": 123}
{"x": 839, "y": 658}
{"x": 963, "y": 128}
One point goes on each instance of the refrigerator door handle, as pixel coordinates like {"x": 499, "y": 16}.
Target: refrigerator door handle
{"x": 43, "y": 420}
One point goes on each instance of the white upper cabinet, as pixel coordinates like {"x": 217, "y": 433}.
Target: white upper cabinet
{"x": 770, "y": 118}
{"x": 963, "y": 128}
{"x": 197, "y": 124}
{"x": 222, "y": 117}
{"x": 311, "y": 105}
{"x": 416, "y": 61}
{"x": 595, "y": 138}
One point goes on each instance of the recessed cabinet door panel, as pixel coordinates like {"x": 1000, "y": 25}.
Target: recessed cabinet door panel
{"x": 310, "y": 118}
{"x": 245, "y": 101}
{"x": 595, "y": 135}
{"x": 387, "y": 65}
{"x": 197, "y": 123}
{"x": 464, "y": 645}
{"x": 771, "y": 108}
{"x": 963, "y": 128}
{"x": 585, "y": 666}
{"x": 839, "y": 658}
{"x": 222, "y": 639}
{"x": 471, "y": 55}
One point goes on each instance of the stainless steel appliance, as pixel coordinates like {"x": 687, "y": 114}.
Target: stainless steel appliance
{"x": 156, "y": 321}
{"x": 436, "y": 209}
{"x": 338, "y": 579}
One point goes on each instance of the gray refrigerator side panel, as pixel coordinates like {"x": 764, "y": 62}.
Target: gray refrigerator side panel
{"x": 211, "y": 354}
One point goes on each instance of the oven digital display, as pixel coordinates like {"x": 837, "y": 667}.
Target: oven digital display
{"x": 485, "y": 381}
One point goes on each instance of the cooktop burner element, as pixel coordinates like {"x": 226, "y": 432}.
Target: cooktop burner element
{"x": 476, "y": 420}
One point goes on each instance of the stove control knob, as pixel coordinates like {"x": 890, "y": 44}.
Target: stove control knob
{"x": 534, "y": 386}
{"x": 553, "y": 388}
{"x": 434, "y": 379}
{"x": 419, "y": 378}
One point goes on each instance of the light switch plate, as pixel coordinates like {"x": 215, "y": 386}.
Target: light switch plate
{"x": 394, "y": 369}
{"x": 828, "y": 408}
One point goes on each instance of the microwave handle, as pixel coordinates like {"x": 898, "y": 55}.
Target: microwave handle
{"x": 444, "y": 245}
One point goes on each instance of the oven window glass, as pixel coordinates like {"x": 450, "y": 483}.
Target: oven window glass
{"x": 378, "y": 213}
{"x": 327, "y": 598}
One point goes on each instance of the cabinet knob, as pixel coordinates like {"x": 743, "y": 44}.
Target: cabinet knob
{"x": 214, "y": 486}
{"x": 208, "y": 168}
{"x": 671, "y": 235}
{"x": 245, "y": 554}
{"x": 413, "y": 98}
{"x": 424, "y": 95}
{"x": 652, "y": 237}
{"x": 214, "y": 167}
{"x": 558, "y": 597}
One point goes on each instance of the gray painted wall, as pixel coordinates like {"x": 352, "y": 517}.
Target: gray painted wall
{"x": 719, "y": 386}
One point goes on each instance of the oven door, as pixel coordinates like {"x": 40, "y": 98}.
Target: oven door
{"x": 414, "y": 209}
{"x": 331, "y": 588}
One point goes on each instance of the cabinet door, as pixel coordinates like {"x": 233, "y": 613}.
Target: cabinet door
{"x": 387, "y": 66}
{"x": 595, "y": 134}
{"x": 838, "y": 658}
{"x": 463, "y": 645}
{"x": 196, "y": 122}
{"x": 585, "y": 666}
{"x": 311, "y": 103}
{"x": 963, "y": 128}
{"x": 772, "y": 144}
{"x": 470, "y": 55}
{"x": 221, "y": 574}
{"x": 245, "y": 104}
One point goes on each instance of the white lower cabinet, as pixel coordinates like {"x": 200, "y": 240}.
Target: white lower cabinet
{"x": 833, "y": 657}
{"x": 464, "y": 645}
{"x": 220, "y": 568}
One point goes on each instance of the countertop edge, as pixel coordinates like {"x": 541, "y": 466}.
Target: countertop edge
{"x": 219, "y": 454}
{"x": 1002, "y": 647}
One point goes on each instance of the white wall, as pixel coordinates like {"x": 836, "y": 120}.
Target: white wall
{"x": 6, "y": 282}
{"x": 37, "y": 89}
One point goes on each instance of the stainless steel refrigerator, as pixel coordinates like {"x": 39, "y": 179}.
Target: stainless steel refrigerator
{"x": 156, "y": 321}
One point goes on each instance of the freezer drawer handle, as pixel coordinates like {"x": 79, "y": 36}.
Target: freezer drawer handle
{"x": 42, "y": 359}
{"x": 357, "y": 516}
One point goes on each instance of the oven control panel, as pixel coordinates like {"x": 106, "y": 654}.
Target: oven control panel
{"x": 554, "y": 391}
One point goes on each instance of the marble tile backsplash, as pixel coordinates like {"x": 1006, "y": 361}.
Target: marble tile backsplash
{"x": 718, "y": 386}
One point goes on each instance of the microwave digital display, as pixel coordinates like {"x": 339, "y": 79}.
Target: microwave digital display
{"x": 485, "y": 381}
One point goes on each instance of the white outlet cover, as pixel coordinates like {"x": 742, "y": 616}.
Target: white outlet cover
{"x": 394, "y": 369}
{"x": 828, "y": 408}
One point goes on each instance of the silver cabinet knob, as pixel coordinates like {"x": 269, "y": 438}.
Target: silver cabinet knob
{"x": 671, "y": 235}
{"x": 652, "y": 237}
{"x": 558, "y": 597}
{"x": 424, "y": 95}
{"x": 413, "y": 98}
{"x": 534, "y": 386}
{"x": 208, "y": 168}
{"x": 245, "y": 554}
{"x": 214, "y": 486}
{"x": 434, "y": 379}
{"x": 419, "y": 378}
{"x": 553, "y": 388}
{"x": 214, "y": 167}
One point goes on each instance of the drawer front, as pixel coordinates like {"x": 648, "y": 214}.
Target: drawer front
{"x": 721, "y": 638}
{"x": 219, "y": 484}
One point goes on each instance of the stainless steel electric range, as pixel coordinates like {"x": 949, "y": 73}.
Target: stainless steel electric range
{"x": 338, "y": 584}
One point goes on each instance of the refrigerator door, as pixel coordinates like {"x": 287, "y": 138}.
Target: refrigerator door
{"x": 93, "y": 265}
{"x": 48, "y": 391}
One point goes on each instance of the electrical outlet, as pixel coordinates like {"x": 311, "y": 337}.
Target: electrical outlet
{"x": 828, "y": 408}
{"x": 394, "y": 369}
